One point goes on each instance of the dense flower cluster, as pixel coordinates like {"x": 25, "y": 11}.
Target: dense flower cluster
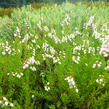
{"x": 97, "y": 64}
{"x": 50, "y": 52}
{"x": 101, "y": 80}
{"x": 17, "y": 75}
{"x": 71, "y": 83}
{"x": 7, "y": 49}
{"x": 4, "y": 102}
{"x": 26, "y": 38}
{"x": 107, "y": 67}
{"x": 76, "y": 59}
{"x": 17, "y": 33}
{"x": 105, "y": 48}
{"x": 90, "y": 22}
{"x": 66, "y": 21}
{"x": 31, "y": 61}
{"x": 47, "y": 88}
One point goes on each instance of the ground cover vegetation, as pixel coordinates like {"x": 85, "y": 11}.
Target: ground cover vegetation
{"x": 55, "y": 58}
{"x": 9, "y": 10}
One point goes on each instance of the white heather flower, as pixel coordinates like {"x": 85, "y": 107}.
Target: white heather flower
{"x": 84, "y": 51}
{"x": 50, "y": 35}
{"x": 13, "y": 74}
{"x": 0, "y": 102}
{"x": 57, "y": 40}
{"x": 44, "y": 56}
{"x": 97, "y": 35}
{"x": 21, "y": 74}
{"x": 77, "y": 90}
{"x": 56, "y": 60}
{"x": 33, "y": 96}
{"x": 45, "y": 46}
{"x": 64, "y": 39}
{"x": 97, "y": 80}
{"x": 37, "y": 62}
{"x": 25, "y": 66}
{"x": 9, "y": 52}
{"x": 86, "y": 64}
{"x": 105, "y": 48}
{"x": 11, "y": 104}
{"x": 62, "y": 53}
{"x": 62, "y": 32}
{"x": 26, "y": 38}
{"x": 46, "y": 28}
{"x": 71, "y": 36}
{"x": 48, "y": 83}
{"x": 31, "y": 60}
{"x": 34, "y": 41}
{"x": 77, "y": 49}
{"x": 4, "y": 98}
{"x": 76, "y": 59}
{"x": 37, "y": 47}
{"x": 3, "y": 53}
{"x": 42, "y": 74}
{"x": 52, "y": 50}
{"x": 15, "y": 34}
{"x": 100, "y": 80}
{"x": 18, "y": 76}
{"x": 66, "y": 21}
{"x": 97, "y": 64}
{"x": 34, "y": 52}
{"x": 47, "y": 88}
{"x": 90, "y": 22}
{"x": 77, "y": 33}
{"x": 6, "y": 103}
{"x": 39, "y": 26}
{"x": 107, "y": 67}
{"x": 17, "y": 30}
{"x": 71, "y": 83}
{"x": 33, "y": 69}
{"x": 47, "y": 55}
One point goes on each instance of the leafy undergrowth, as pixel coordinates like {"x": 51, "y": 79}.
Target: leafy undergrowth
{"x": 55, "y": 58}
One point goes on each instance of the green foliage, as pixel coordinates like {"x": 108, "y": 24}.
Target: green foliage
{"x": 55, "y": 58}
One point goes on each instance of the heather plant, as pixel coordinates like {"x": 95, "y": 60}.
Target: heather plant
{"x": 52, "y": 16}
{"x": 56, "y": 58}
